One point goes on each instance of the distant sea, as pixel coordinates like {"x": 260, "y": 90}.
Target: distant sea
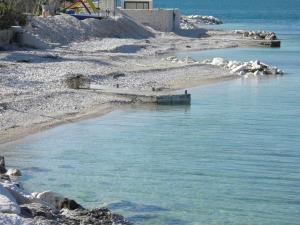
{"x": 232, "y": 158}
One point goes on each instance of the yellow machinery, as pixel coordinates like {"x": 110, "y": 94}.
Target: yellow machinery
{"x": 88, "y": 5}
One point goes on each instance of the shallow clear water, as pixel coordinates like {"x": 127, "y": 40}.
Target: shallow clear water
{"x": 232, "y": 157}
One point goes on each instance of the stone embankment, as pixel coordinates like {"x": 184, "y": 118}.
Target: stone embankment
{"x": 257, "y": 35}
{"x": 194, "y": 21}
{"x": 245, "y": 68}
{"x": 17, "y": 207}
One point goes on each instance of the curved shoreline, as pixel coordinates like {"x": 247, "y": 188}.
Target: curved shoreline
{"x": 35, "y": 95}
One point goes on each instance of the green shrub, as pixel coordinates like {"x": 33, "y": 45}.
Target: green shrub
{"x": 11, "y": 14}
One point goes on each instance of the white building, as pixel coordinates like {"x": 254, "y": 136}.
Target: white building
{"x": 142, "y": 11}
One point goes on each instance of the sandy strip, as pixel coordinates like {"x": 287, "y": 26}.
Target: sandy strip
{"x": 16, "y": 133}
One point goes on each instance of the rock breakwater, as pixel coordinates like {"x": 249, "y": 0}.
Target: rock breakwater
{"x": 257, "y": 35}
{"x": 17, "y": 207}
{"x": 251, "y": 68}
{"x": 245, "y": 68}
{"x": 194, "y": 21}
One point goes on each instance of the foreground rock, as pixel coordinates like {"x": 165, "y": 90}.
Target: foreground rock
{"x": 17, "y": 207}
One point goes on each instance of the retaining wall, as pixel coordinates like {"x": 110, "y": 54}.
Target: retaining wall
{"x": 165, "y": 20}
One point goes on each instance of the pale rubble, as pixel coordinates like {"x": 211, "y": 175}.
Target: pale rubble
{"x": 174, "y": 59}
{"x": 195, "y": 21}
{"x": 257, "y": 35}
{"x": 254, "y": 68}
{"x": 49, "y": 30}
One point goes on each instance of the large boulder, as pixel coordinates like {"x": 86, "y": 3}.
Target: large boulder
{"x": 70, "y": 204}
{"x": 48, "y": 197}
{"x": 21, "y": 196}
{"x": 33, "y": 210}
{"x": 8, "y": 203}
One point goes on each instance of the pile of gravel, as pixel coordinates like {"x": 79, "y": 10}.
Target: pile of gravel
{"x": 64, "y": 29}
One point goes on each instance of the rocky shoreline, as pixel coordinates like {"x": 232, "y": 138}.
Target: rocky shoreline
{"x": 245, "y": 69}
{"x": 195, "y": 21}
{"x": 17, "y": 207}
{"x": 257, "y": 35}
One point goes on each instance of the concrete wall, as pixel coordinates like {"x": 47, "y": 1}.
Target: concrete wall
{"x": 6, "y": 36}
{"x": 166, "y": 20}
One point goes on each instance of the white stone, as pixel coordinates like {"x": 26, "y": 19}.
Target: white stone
{"x": 233, "y": 64}
{"x": 218, "y": 62}
{"x": 48, "y": 197}
{"x": 280, "y": 72}
{"x": 34, "y": 194}
{"x": 13, "y": 172}
{"x": 256, "y": 73}
{"x": 12, "y": 219}
{"x": 238, "y": 69}
{"x": 241, "y": 73}
{"x": 8, "y": 203}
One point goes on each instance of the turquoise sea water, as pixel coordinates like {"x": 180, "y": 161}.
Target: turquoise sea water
{"x": 231, "y": 158}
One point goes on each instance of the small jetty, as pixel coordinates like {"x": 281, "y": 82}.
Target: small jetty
{"x": 155, "y": 96}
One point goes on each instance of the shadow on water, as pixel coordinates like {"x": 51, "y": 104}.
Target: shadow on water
{"x": 136, "y": 219}
{"x": 158, "y": 108}
{"x": 143, "y": 212}
{"x": 134, "y": 207}
{"x": 37, "y": 169}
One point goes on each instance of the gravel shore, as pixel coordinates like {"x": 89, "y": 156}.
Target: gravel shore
{"x": 34, "y": 94}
